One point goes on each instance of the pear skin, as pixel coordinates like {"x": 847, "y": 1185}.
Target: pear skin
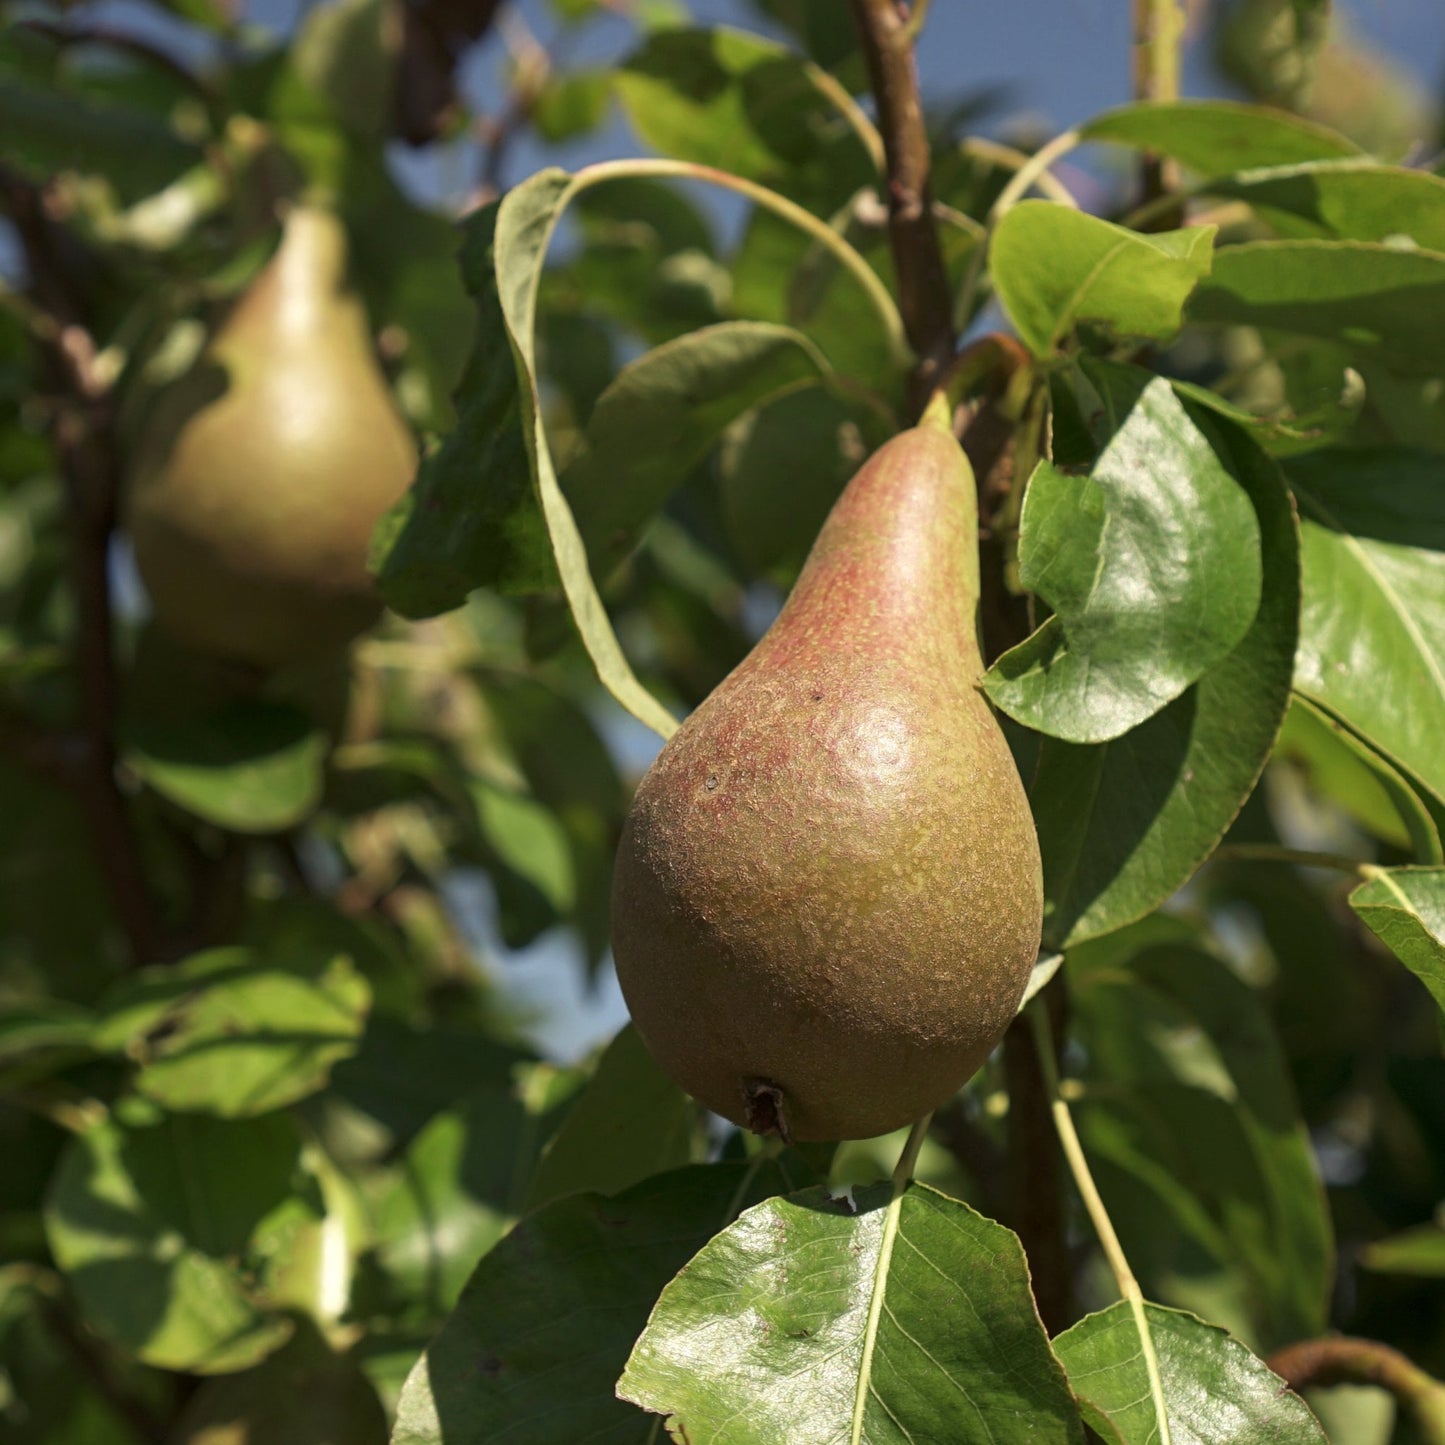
{"x": 827, "y": 898}
{"x": 263, "y": 472}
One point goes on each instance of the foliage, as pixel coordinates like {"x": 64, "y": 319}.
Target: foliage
{"x": 284, "y": 1159}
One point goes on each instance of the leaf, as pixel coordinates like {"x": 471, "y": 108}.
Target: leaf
{"x": 1215, "y": 1390}
{"x": 814, "y": 438}
{"x": 737, "y": 102}
{"x": 571, "y": 105}
{"x": 1123, "y": 824}
{"x": 460, "y": 1185}
{"x": 470, "y": 519}
{"x": 1342, "y": 768}
{"x": 343, "y": 52}
{"x": 1189, "y": 1092}
{"x": 534, "y": 1348}
{"x": 1405, "y": 909}
{"x": 1151, "y": 565}
{"x": 41, "y": 1036}
{"x": 1372, "y": 630}
{"x": 1216, "y": 137}
{"x": 629, "y": 1122}
{"x": 528, "y": 839}
{"x": 662, "y": 415}
{"x": 146, "y": 1220}
{"x": 1382, "y": 300}
{"x": 1355, "y": 199}
{"x": 1419, "y": 1252}
{"x": 1054, "y": 267}
{"x": 251, "y": 767}
{"x": 524, "y": 225}
{"x": 817, "y": 1319}
{"x": 234, "y": 1032}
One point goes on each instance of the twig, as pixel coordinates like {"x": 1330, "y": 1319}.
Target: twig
{"x": 84, "y": 432}
{"x": 1277, "y": 853}
{"x": 1341, "y": 1360}
{"x": 1103, "y": 1226}
{"x": 1158, "y": 30}
{"x": 116, "y": 39}
{"x": 1035, "y": 1170}
{"x": 923, "y": 290}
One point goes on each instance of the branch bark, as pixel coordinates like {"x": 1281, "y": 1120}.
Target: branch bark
{"x": 1342, "y": 1360}
{"x": 887, "y": 34}
{"x": 87, "y": 450}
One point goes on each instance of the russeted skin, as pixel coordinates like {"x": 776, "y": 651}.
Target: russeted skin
{"x": 827, "y": 898}
{"x": 261, "y": 475}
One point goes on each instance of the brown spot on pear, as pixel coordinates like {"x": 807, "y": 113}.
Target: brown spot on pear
{"x": 829, "y": 879}
{"x": 260, "y": 475}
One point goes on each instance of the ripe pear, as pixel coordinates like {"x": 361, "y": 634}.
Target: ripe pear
{"x": 261, "y": 474}
{"x": 827, "y": 897}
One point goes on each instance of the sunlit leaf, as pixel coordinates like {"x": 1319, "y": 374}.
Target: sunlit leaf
{"x": 1405, "y": 909}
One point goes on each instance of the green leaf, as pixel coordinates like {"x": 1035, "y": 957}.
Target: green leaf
{"x": 1372, "y": 631}
{"x": 235, "y": 1032}
{"x": 740, "y": 103}
{"x": 460, "y": 1185}
{"x": 40, "y": 1036}
{"x": 1215, "y": 1390}
{"x": 1123, "y": 824}
{"x": 534, "y": 1348}
{"x": 1405, "y": 909}
{"x": 251, "y": 767}
{"x": 1356, "y": 199}
{"x": 1189, "y": 1092}
{"x": 528, "y": 838}
{"x": 1054, "y": 267}
{"x": 1216, "y": 137}
{"x": 662, "y": 415}
{"x": 1382, "y": 300}
{"x": 819, "y": 1318}
{"x": 524, "y": 225}
{"x": 1354, "y": 776}
{"x": 1419, "y": 1252}
{"x": 148, "y": 1222}
{"x": 816, "y": 440}
{"x": 629, "y": 1122}
{"x": 1151, "y": 565}
{"x": 470, "y": 519}
{"x": 571, "y": 105}
{"x": 343, "y": 53}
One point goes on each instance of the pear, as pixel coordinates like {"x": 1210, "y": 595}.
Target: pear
{"x": 261, "y": 474}
{"x": 827, "y": 898}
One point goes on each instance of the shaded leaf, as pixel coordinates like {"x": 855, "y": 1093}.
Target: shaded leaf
{"x": 629, "y": 1122}
{"x": 1372, "y": 629}
{"x": 1216, "y": 137}
{"x": 1123, "y": 824}
{"x": 251, "y": 767}
{"x": 1405, "y": 909}
{"x": 663, "y": 413}
{"x": 1189, "y": 1092}
{"x": 147, "y": 1220}
{"x": 769, "y": 1333}
{"x": 524, "y": 226}
{"x": 1419, "y": 1252}
{"x": 1215, "y": 1390}
{"x": 1151, "y": 565}
{"x": 1356, "y": 199}
{"x": 234, "y": 1032}
{"x": 470, "y": 519}
{"x": 1382, "y": 300}
{"x": 543, "y": 1328}
{"x": 1054, "y": 267}
{"x": 735, "y": 101}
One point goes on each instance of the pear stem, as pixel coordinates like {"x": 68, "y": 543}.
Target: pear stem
{"x": 1103, "y": 1226}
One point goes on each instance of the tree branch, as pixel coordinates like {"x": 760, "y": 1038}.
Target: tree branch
{"x": 84, "y": 432}
{"x": 1341, "y": 1360}
{"x": 925, "y": 300}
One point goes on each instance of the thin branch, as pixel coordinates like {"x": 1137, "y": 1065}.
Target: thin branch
{"x": 113, "y": 38}
{"x": 1158, "y": 31}
{"x": 84, "y": 432}
{"x": 1304, "y": 857}
{"x": 924, "y": 294}
{"x": 1128, "y": 1286}
{"x": 1010, "y": 158}
{"x": 1341, "y": 1360}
